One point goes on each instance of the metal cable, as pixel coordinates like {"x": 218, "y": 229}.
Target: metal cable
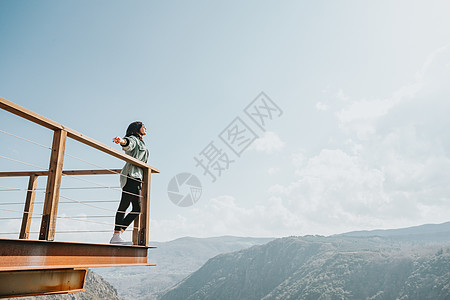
{"x": 87, "y": 221}
{"x": 72, "y": 176}
{"x": 109, "y": 187}
{"x": 18, "y": 211}
{"x": 34, "y": 213}
{"x": 87, "y": 188}
{"x": 91, "y": 201}
{"x": 114, "y": 188}
{"x": 10, "y": 189}
{"x": 93, "y": 217}
{"x": 101, "y": 167}
{"x": 16, "y": 218}
{"x": 58, "y": 232}
{"x": 83, "y": 231}
{"x": 16, "y": 136}
{"x": 81, "y": 220}
{"x": 95, "y": 206}
{"x": 28, "y": 164}
{"x": 73, "y": 200}
{"x": 64, "y": 202}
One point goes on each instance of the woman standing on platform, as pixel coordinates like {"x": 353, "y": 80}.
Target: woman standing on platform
{"x": 130, "y": 179}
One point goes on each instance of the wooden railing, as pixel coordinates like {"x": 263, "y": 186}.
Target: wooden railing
{"x": 55, "y": 172}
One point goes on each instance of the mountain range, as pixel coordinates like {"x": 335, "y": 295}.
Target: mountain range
{"x": 174, "y": 261}
{"x": 407, "y": 263}
{"x": 411, "y": 263}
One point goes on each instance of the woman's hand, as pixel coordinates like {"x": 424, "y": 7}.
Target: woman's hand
{"x": 118, "y": 140}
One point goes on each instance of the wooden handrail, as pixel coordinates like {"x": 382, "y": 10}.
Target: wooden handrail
{"x": 43, "y": 121}
{"x": 28, "y": 114}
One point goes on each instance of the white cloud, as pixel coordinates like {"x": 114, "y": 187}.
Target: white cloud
{"x": 340, "y": 95}
{"x": 391, "y": 170}
{"x": 395, "y": 172}
{"x": 273, "y": 171}
{"x": 334, "y": 192}
{"x": 325, "y": 89}
{"x": 224, "y": 215}
{"x": 298, "y": 159}
{"x": 269, "y": 143}
{"x": 322, "y": 106}
{"x": 427, "y": 67}
{"x": 362, "y": 116}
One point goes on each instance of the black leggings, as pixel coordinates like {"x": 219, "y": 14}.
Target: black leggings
{"x": 130, "y": 194}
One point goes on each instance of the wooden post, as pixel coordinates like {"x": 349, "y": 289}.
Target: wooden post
{"x": 28, "y": 209}
{"x": 50, "y": 210}
{"x": 144, "y": 227}
{"x": 137, "y": 223}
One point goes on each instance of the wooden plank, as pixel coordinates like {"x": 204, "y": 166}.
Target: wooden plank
{"x": 23, "y": 173}
{"x": 65, "y": 172}
{"x": 111, "y": 151}
{"x": 144, "y": 227}
{"x": 43, "y": 121}
{"x": 37, "y": 254}
{"x": 28, "y": 114}
{"x": 92, "y": 172}
{"x": 90, "y": 265}
{"x": 50, "y": 210}
{"x": 136, "y": 224}
{"x": 28, "y": 209}
{"x": 42, "y": 282}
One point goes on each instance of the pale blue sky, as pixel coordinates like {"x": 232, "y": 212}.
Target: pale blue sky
{"x": 352, "y": 77}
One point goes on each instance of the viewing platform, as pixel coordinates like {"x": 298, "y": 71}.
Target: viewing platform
{"x": 45, "y": 266}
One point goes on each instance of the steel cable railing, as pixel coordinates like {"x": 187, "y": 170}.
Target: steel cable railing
{"x": 74, "y": 157}
{"x": 101, "y": 167}
{"x": 30, "y": 141}
{"x": 84, "y": 218}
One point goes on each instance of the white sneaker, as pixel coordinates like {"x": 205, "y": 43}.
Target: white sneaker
{"x": 117, "y": 239}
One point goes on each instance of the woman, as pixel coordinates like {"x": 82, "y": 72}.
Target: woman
{"x": 130, "y": 179}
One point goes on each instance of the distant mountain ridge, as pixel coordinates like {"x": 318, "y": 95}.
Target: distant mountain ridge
{"x": 426, "y": 229}
{"x": 175, "y": 260}
{"x": 400, "y": 265}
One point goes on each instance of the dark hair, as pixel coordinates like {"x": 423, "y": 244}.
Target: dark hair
{"x": 134, "y": 129}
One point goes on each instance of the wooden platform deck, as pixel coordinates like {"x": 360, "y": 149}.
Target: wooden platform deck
{"x": 40, "y": 254}
{"x": 36, "y": 267}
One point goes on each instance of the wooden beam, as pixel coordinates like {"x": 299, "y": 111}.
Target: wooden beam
{"x": 111, "y": 151}
{"x": 144, "y": 226}
{"x": 41, "y": 282}
{"x": 65, "y": 172}
{"x": 43, "y": 121}
{"x": 136, "y": 225}
{"x": 92, "y": 172}
{"x": 50, "y": 210}
{"x": 28, "y": 209}
{"x": 38, "y": 254}
{"x": 28, "y": 114}
{"x": 23, "y": 173}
